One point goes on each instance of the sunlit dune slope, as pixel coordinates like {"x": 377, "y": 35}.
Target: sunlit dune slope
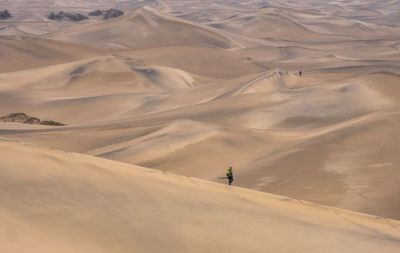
{"x": 328, "y": 142}
{"x": 142, "y": 29}
{"x": 153, "y": 88}
{"x": 201, "y": 60}
{"x": 273, "y": 26}
{"x": 68, "y": 202}
{"x": 25, "y": 53}
{"x": 99, "y": 75}
{"x": 116, "y": 83}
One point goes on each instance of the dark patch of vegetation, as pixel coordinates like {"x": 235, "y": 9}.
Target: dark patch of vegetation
{"x": 107, "y": 14}
{"x": 96, "y": 13}
{"x": 67, "y": 16}
{"x": 32, "y": 120}
{"x": 20, "y": 117}
{"x": 112, "y": 13}
{"x": 51, "y": 123}
{"x": 5, "y": 14}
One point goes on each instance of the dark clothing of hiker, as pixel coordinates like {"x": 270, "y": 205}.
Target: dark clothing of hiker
{"x": 229, "y": 175}
{"x": 300, "y": 73}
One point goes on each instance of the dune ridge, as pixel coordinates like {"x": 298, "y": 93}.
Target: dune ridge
{"x": 121, "y": 205}
{"x": 151, "y": 30}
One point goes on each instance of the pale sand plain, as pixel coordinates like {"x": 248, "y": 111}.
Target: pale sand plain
{"x": 191, "y": 92}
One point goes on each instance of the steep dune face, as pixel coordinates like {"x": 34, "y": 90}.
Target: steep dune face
{"x": 55, "y": 200}
{"x": 143, "y": 29}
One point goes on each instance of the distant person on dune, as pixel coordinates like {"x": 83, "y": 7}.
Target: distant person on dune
{"x": 229, "y": 175}
{"x": 300, "y": 73}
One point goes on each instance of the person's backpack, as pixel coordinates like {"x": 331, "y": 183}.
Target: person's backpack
{"x": 228, "y": 173}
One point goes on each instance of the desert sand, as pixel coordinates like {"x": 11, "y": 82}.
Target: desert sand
{"x": 166, "y": 97}
{"x": 69, "y": 202}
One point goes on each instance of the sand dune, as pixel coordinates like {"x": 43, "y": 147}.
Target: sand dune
{"x": 190, "y": 88}
{"x": 26, "y": 53}
{"x": 151, "y": 131}
{"x": 354, "y": 28}
{"x": 59, "y": 90}
{"x": 273, "y": 25}
{"x": 106, "y": 72}
{"x": 62, "y": 198}
{"x": 142, "y": 29}
{"x": 162, "y": 142}
{"x": 272, "y": 81}
{"x": 30, "y": 18}
{"x": 353, "y": 164}
{"x": 206, "y": 61}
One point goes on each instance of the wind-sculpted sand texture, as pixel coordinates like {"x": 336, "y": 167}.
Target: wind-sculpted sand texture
{"x": 143, "y": 28}
{"x": 54, "y": 200}
{"x": 193, "y": 87}
{"x": 29, "y": 53}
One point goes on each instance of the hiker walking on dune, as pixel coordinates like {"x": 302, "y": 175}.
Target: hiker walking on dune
{"x": 300, "y": 73}
{"x": 229, "y": 175}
